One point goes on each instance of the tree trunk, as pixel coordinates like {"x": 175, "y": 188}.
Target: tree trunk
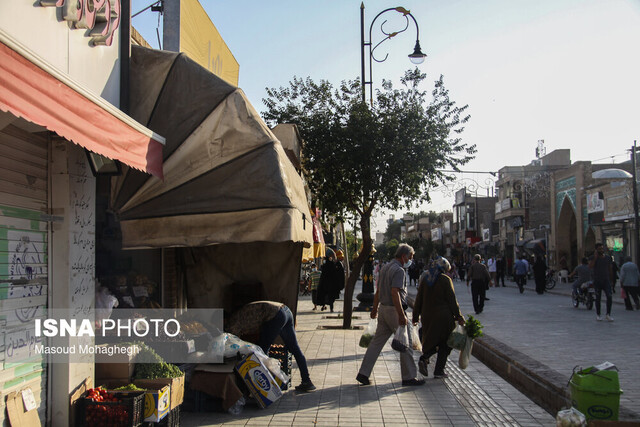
{"x": 365, "y": 225}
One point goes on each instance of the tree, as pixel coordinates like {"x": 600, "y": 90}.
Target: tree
{"x": 358, "y": 157}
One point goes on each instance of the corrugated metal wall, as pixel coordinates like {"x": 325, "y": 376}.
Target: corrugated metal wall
{"x": 23, "y": 262}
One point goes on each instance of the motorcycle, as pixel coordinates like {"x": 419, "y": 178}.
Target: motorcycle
{"x": 585, "y": 295}
{"x": 550, "y": 279}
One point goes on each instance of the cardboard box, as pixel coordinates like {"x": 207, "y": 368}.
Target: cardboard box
{"x": 259, "y": 380}
{"x": 156, "y": 402}
{"x": 115, "y": 366}
{"x": 176, "y": 386}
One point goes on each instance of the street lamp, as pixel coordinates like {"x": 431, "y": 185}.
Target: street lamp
{"x": 417, "y": 57}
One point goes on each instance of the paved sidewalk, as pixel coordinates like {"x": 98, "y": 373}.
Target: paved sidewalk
{"x": 476, "y": 396}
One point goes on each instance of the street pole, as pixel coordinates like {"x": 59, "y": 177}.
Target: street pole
{"x": 636, "y": 217}
{"x": 364, "y": 96}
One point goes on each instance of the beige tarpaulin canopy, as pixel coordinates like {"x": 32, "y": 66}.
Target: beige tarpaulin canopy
{"x": 227, "y": 178}
{"x": 230, "y": 195}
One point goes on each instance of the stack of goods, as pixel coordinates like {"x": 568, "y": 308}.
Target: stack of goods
{"x": 112, "y": 408}
{"x": 279, "y": 353}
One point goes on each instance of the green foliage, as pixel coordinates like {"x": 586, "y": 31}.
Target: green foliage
{"x": 474, "y": 327}
{"x": 353, "y": 241}
{"x": 359, "y": 157}
{"x": 391, "y": 248}
{"x": 149, "y": 365}
{"x": 394, "y": 231}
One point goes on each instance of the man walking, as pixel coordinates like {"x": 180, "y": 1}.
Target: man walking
{"x": 600, "y": 264}
{"x": 493, "y": 268}
{"x": 520, "y": 271}
{"x": 391, "y": 297}
{"x": 479, "y": 277}
{"x": 500, "y": 270}
{"x": 629, "y": 277}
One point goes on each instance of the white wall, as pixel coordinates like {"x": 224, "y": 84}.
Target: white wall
{"x": 43, "y": 31}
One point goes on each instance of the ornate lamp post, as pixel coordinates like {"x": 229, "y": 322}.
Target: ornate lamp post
{"x": 417, "y": 57}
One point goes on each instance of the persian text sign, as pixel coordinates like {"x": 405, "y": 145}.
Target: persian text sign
{"x": 101, "y": 17}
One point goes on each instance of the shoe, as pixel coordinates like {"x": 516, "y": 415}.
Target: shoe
{"x": 306, "y": 386}
{"x": 411, "y": 382}
{"x": 609, "y": 318}
{"x": 486, "y": 299}
{"x": 599, "y": 318}
{"x": 362, "y": 379}
{"x": 422, "y": 367}
{"x": 442, "y": 375}
{"x": 315, "y": 308}
{"x": 323, "y": 308}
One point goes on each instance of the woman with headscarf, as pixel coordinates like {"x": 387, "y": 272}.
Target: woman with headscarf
{"x": 329, "y": 286}
{"x": 437, "y": 307}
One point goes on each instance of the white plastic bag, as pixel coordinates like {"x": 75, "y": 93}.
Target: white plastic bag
{"x": 416, "y": 343}
{"x": 105, "y": 302}
{"x": 570, "y": 418}
{"x": 368, "y": 334}
{"x": 401, "y": 339}
{"x": 465, "y": 354}
{"x": 458, "y": 338}
{"x": 234, "y": 345}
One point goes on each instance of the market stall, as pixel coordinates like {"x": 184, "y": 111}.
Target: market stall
{"x": 230, "y": 217}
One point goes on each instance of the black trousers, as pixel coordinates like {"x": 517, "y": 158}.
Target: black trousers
{"x": 443, "y": 351}
{"x": 632, "y": 292}
{"x": 478, "y": 290}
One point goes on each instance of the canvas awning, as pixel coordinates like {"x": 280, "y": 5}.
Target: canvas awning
{"x": 227, "y": 177}
{"x": 31, "y": 89}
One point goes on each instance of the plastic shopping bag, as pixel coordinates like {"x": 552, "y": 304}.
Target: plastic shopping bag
{"x": 570, "y": 418}
{"x": 458, "y": 338}
{"x": 401, "y": 339}
{"x": 465, "y": 354}
{"x": 415, "y": 338}
{"x": 368, "y": 334}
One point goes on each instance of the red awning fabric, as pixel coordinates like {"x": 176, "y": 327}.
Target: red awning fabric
{"x": 30, "y": 92}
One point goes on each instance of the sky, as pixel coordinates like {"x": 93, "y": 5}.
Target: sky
{"x": 562, "y": 71}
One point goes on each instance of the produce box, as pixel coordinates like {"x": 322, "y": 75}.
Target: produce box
{"x": 114, "y": 366}
{"x": 125, "y": 410}
{"x": 156, "y": 401}
{"x": 157, "y": 395}
{"x": 176, "y": 386}
{"x": 259, "y": 380}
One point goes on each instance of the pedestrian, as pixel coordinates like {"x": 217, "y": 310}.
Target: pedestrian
{"x": 491, "y": 265}
{"x": 614, "y": 272}
{"x": 540, "y": 274}
{"x": 270, "y": 319}
{"x": 583, "y": 275}
{"x": 600, "y": 265}
{"x": 520, "y": 271}
{"x": 479, "y": 277}
{"x": 414, "y": 274}
{"x": 390, "y": 300}
{"x": 340, "y": 277}
{"x": 436, "y": 305}
{"x": 500, "y": 271}
{"x": 462, "y": 269}
{"x": 314, "y": 277}
{"x": 629, "y": 278}
{"x": 329, "y": 286}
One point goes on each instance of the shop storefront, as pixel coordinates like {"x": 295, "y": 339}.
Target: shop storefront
{"x": 58, "y": 88}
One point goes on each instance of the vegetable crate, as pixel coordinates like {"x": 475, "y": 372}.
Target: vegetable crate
{"x": 127, "y": 411}
{"x": 279, "y": 353}
{"x": 171, "y": 420}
